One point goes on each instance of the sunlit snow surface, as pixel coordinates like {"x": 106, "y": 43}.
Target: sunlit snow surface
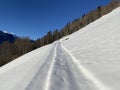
{"x": 97, "y": 48}
{"x": 88, "y": 60}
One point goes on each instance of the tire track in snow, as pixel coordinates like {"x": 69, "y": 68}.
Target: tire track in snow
{"x": 39, "y": 79}
{"x": 47, "y": 86}
{"x": 86, "y": 73}
{"x": 63, "y": 76}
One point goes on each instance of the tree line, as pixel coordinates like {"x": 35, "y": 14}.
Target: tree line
{"x": 10, "y": 51}
{"x": 77, "y": 24}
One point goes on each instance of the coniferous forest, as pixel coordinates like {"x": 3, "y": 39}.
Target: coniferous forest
{"x": 11, "y": 50}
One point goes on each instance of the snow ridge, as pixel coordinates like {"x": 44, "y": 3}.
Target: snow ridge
{"x": 86, "y": 73}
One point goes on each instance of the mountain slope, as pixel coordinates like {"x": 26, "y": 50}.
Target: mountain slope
{"x": 96, "y": 47}
{"x": 4, "y": 36}
{"x": 85, "y": 60}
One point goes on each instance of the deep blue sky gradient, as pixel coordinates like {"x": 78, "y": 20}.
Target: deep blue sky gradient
{"x": 34, "y": 18}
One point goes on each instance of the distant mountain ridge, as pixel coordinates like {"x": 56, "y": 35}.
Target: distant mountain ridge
{"x": 4, "y": 36}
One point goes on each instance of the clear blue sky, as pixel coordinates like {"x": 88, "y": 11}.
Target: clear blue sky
{"x": 34, "y": 18}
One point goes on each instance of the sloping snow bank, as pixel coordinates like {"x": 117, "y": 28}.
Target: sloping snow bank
{"x": 97, "y": 48}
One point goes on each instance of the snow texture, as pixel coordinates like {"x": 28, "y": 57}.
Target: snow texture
{"x": 88, "y": 60}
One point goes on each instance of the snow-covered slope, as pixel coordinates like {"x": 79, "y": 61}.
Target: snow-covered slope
{"x": 88, "y": 60}
{"x": 97, "y": 48}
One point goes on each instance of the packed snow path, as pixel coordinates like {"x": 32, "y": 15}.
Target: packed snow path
{"x": 63, "y": 74}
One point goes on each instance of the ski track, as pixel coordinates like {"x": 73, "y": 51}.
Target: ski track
{"x": 64, "y": 74}
{"x": 86, "y": 73}
{"x": 42, "y": 77}
{"x": 50, "y": 70}
{"x": 60, "y": 71}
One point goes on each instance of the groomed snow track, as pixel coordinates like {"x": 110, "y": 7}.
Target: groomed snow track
{"x": 63, "y": 73}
